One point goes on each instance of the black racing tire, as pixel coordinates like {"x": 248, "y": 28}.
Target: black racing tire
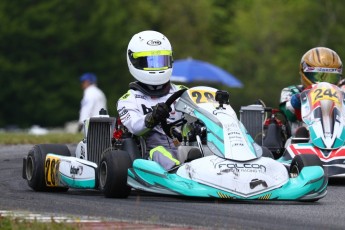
{"x": 302, "y": 160}
{"x": 266, "y": 152}
{"x": 34, "y": 168}
{"x": 113, "y": 171}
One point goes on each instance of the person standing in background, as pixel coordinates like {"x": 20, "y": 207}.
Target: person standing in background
{"x": 93, "y": 98}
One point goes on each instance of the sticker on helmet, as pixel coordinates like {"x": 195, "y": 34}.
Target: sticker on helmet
{"x": 154, "y": 42}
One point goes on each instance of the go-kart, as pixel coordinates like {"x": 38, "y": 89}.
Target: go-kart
{"x": 323, "y": 113}
{"x": 219, "y": 159}
{"x": 230, "y": 164}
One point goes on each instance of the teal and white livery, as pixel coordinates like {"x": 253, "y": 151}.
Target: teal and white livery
{"x": 231, "y": 165}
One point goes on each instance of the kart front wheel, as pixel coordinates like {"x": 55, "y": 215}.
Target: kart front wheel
{"x": 301, "y": 161}
{"x": 113, "y": 174}
{"x": 33, "y": 170}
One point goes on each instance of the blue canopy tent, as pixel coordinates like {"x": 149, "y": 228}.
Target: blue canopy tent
{"x": 190, "y": 70}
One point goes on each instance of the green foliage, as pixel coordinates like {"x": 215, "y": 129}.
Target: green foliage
{"x": 267, "y": 39}
{"x": 188, "y": 26}
{"x": 46, "y": 45}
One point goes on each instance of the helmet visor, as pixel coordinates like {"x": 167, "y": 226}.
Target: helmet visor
{"x": 323, "y": 77}
{"x": 319, "y": 74}
{"x": 152, "y": 60}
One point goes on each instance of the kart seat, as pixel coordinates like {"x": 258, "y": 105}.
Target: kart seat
{"x": 273, "y": 139}
{"x": 301, "y": 136}
{"x": 302, "y": 132}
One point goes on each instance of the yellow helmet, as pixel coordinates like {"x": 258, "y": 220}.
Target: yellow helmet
{"x": 320, "y": 64}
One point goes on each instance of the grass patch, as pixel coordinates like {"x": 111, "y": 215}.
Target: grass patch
{"x": 17, "y": 223}
{"x": 50, "y": 138}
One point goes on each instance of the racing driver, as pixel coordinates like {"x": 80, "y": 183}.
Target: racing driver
{"x": 142, "y": 108}
{"x": 319, "y": 64}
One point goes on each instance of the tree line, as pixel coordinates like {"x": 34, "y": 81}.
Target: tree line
{"x": 47, "y": 45}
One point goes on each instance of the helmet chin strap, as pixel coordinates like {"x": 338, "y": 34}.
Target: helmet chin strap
{"x": 155, "y": 87}
{"x": 151, "y": 90}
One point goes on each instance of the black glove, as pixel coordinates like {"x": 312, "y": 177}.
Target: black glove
{"x": 159, "y": 113}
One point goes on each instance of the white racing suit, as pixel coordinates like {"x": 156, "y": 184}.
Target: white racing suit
{"x": 133, "y": 107}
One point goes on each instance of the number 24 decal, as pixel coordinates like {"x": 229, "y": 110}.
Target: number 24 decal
{"x": 320, "y": 93}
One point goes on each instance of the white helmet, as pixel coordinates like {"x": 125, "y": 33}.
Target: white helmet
{"x": 149, "y": 58}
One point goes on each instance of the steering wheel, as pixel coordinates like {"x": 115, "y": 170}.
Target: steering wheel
{"x": 165, "y": 126}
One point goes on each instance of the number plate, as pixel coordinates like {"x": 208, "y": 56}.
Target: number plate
{"x": 324, "y": 94}
{"x": 51, "y": 166}
{"x": 202, "y": 96}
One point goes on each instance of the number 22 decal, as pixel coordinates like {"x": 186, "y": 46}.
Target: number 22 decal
{"x": 50, "y": 171}
{"x": 202, "y": 96}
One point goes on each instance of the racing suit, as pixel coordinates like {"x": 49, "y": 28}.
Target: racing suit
{"x": 290, "y": 105}
{"x": 132, "y": 107}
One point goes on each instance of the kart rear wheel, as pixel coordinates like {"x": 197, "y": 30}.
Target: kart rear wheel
{"x": 113, "y": 174}
{"x": 301, "y": 161}
{"x": 34, "y": 165}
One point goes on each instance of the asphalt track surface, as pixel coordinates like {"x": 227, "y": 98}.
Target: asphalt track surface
{"x": 163, "y": 212}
